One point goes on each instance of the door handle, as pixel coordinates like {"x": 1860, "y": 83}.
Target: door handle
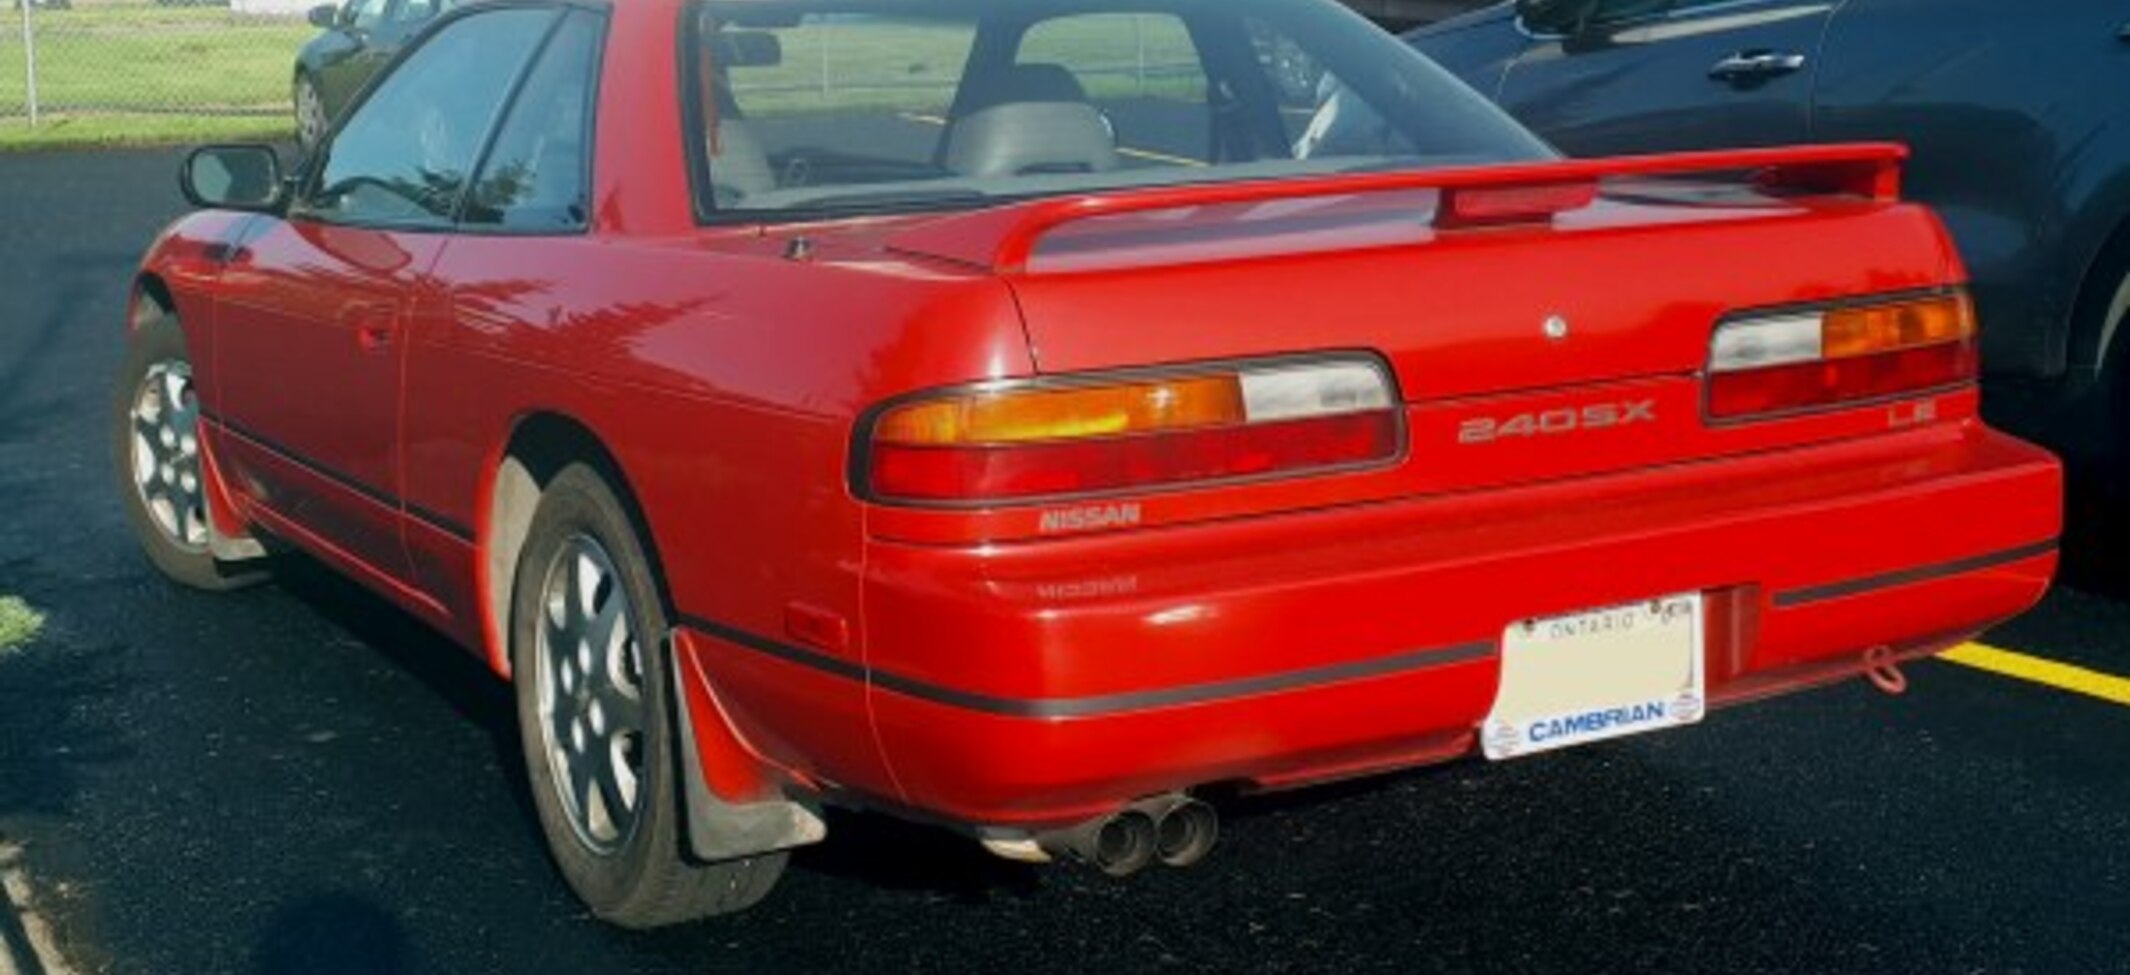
{"x": 1750, "y": 66}
{"x": 375, "y": 326}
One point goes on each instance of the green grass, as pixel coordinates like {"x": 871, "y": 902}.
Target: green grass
{"x": 91, "y": 130}
{"x": 19, "y": 624}
{"x": 121, "y": 72}
{"x": 126, "y": 73}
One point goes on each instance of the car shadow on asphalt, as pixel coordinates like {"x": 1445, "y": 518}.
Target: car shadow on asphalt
{"x": 458, "y": 679}
{"x": 332, "y": 934}
{"x": 58, "y": 712}
{"x": 2095, "y": 539}
{"x": 871, "y": 849}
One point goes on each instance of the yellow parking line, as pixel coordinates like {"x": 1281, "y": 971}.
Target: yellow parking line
{"x": 1159, "y": 157}
{"x": 2062, "y": 676}
{"x": 1147, "y": 154}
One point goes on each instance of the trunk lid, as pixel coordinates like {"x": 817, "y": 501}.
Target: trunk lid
{"x": 1545, "y": 345}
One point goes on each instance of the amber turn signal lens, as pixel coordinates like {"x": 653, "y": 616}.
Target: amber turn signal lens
{"x": 1798, "y": 361}
{"x": 1097, "y": 434}
{"x": 1850, "y": 333}
{"x": 1066, "y": 414}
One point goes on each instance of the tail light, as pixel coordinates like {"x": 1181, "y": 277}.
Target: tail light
{"x": 1811, "y": 360}
{"x": 1043, "y": 440}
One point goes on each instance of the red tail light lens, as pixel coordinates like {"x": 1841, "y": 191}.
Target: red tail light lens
{"x": 1084, "y": 437}
{"x": 1796, "y": 362}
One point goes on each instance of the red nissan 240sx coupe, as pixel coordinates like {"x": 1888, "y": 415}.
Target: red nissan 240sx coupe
{"x": 1025, "y": 416}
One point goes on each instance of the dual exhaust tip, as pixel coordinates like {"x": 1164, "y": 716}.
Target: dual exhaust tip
{"x": 1176, "y": 831}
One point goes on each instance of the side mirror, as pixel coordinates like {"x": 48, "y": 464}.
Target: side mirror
{"x": 242, "y": 177}
{"x": 325, "y": 16}
{"x": 1554, "y": 16}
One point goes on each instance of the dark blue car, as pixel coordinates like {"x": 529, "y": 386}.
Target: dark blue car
{"x": 2018, "y": 112}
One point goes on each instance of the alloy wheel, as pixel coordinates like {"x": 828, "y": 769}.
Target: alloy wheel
{"x": 166, "y": 454}
{"x": 591, "y": 695}
{"x": 310, "y": 114}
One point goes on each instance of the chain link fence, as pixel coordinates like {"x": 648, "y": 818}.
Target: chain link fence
{"x": 102, "y": 71}
{"x": 141, "y": 70}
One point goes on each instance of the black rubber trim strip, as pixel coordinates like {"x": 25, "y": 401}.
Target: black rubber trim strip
{"x": 1103, "y": 705}
{"x": 274, "y": 447}
{"x": 383, "y": 499}
{"x": 449, "y": 527}
{"x": 1905, "y": 577}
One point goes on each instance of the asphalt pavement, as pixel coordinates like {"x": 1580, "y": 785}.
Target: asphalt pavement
{"x": 299, "y": 779}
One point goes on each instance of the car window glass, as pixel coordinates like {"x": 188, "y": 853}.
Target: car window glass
{"x": 813, "y": 107}
{"x": 411, "y": 12}
{"x": 534, "y": 178}
{"x": 404, "y": 155}
{"x": 1324, "y": 118}
{"x": 828, "y": 100}
{"x": 365, "y": 14}
{"x": 1142, "y": 71}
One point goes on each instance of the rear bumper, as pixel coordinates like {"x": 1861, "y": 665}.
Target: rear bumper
{"x": 1038, "y": 684}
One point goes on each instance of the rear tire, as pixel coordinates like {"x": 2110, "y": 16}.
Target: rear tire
{"x": 156, "y": 456}
{"x": 596, "y": 716}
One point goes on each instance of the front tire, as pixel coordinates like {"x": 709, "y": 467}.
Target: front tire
{"x": 311, "y": 118}
{"x": 156, "y": 454}
{"x": 596, "y": 716}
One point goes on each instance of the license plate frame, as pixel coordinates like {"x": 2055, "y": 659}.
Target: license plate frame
{"x": 1596, "y": 675}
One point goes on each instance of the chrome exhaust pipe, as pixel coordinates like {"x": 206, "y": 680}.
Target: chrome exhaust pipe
{"x": 1119, "y": 845}
{"x": 1883, "y": 669}
{"x": 1185, "y": 832}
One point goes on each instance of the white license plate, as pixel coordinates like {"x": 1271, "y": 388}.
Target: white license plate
{"x": 1572, "y": 680}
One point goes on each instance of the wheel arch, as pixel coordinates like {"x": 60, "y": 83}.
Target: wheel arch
{"x": 756, "y": 819}
{"x": 151, "y": 295}
{"x": 540, "y": 445}
{"x": 2095, "y": 335}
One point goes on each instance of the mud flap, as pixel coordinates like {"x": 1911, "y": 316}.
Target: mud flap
{"x": 719, "y": 830}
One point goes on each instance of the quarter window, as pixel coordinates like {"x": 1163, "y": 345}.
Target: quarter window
{"x": 535, "y": 176}
{"x": 404, "y": 157}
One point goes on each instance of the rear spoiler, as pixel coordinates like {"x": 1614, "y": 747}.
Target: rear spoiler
{"x": 1004, "y": 239}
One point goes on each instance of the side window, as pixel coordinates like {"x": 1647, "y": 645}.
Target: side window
{"x": 404, "y": 157}
{"x": 535, "y": 176}
{"x": 364, "y": 15}
{"x": 1141, "y": 70}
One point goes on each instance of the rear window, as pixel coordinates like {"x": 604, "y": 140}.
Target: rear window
{"x": 807, "y": 109}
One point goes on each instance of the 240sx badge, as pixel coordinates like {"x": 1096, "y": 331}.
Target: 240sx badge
{"x": 1556, "y": 423}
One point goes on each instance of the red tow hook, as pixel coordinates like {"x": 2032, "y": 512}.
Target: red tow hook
{"x": 1884, "y": 671}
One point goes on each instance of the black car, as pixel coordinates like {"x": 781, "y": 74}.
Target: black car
{"x": 1402, "y": 14}
{"x": 2015, "y": 112}
{"x": 360, "y": 37}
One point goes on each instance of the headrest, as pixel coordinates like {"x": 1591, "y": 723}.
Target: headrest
{"x": 1026, "y": 83}
{"x": 1029, "y": 138}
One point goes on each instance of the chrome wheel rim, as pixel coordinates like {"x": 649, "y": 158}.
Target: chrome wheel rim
{"x": 166, "y": 454}
{"x": 591, "y": 696}
{"x": 310, "y": 114}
